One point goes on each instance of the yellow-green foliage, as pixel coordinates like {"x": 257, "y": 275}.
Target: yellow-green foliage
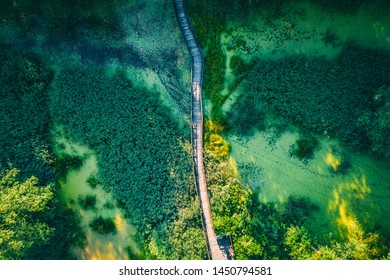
{"x": 213, "y": 127}
{"x": 218, "y": 146}
{"x": 358, "y": 246}
{"x": 297, "y": 240}
{"x": 21, "y": 205}
{"x": 229, "y": 204}
{"x": 214, "y": 142}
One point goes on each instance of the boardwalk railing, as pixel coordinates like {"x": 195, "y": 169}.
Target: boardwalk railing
{"x": 197, "y": 65}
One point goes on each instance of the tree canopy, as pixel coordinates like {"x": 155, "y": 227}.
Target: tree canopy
{"x": 23, "y": 207}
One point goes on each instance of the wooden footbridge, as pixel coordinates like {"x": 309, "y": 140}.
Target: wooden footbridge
{"x": 219, "y": 248}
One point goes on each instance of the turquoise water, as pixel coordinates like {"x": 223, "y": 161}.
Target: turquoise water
{"x": 362, "y": 192}
{"x": 263, "y": 161}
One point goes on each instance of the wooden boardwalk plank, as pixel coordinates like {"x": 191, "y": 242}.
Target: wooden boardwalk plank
{"x": 197, "y": 67}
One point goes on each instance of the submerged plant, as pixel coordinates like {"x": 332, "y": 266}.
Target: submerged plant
{"x": 93, "y": 181}
{"x": 103, "y": 225}
{"x": 304, "y": 147}
{"x": 88, "y": 202}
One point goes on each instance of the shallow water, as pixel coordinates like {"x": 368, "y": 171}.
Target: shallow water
{"x": 362, "y": 192}
{"x": 263, "y": 161}
{"x": 75, "y": 186}
{"x": 301, "y": 29}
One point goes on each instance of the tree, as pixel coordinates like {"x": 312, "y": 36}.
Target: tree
{"x": 247, "y": 248}
{"x": 22, "y": 209}
{"x": 298, "y": 242}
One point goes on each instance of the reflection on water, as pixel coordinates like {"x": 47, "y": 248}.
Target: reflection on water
{"x": 75, "y": 188}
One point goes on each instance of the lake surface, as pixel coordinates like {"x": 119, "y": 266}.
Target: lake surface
{"x": 363, "y": 191}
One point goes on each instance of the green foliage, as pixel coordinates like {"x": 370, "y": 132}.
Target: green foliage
{"x": 298, "y": 241}
{"x": 185, "y": 235}
{"x": 59, "y": 18}
{"x": 326, "y": 97}
{"x": 247, "y": 248}
{"x": 23, "y": 206}
{"x": 32, "y": 221}
{"x": 358, "y": 246}
{"x": 365, "y": 246}
{"x": 88, "y": 202}
{"x": 25, "y": 120}
{"x": 231, "y": 204}
{"x": 103, "y": 225}
{"x": 276, "y": 230}
{"x": 268, "y": 228}
{"x": 142, "y": 158}
{"x": 24, "y": 142}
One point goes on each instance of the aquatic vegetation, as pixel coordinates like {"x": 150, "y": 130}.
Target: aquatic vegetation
{"x": 209, "y": 23}
{"x": 65, "y": 162}
{"x": 376, "y": 122}
{"x": 88, "y": 202}
{"x": 141, "y": 158}
{"x": 297, "y": 209}
{"x": 25, "y": 120}
{"x": 325, "y": 97}
{"x": 218, "y": 146}
{"x": 93, "y": 181}
{"x": 338, "y": 160}
{"x": 304, "y": 147}
{"x": 257, "y": 229}
{"x": 25, "y": 144}
{"x": 213, "y": 141}
{"x": 144, "y": 155}
{"x": 240, "y": 69}
{"x": 103, "y": 225}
